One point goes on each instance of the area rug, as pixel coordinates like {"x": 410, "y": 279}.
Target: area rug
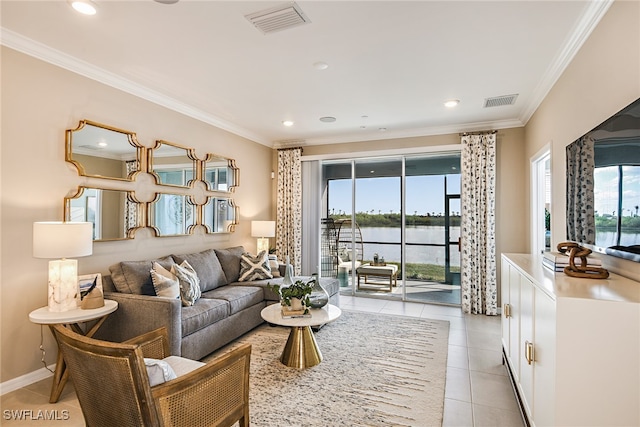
{"x": 377, "y": 370}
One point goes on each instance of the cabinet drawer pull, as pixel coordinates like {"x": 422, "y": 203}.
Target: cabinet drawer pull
{"x": 528, "y": 352}
{"x": 507, "y": 310}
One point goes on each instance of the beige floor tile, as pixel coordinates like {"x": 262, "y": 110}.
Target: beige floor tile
{"x": 458, "y": 386}
{"x": 458, "y": 357}
{"x": 494, "y": 417}
{"x": 457, "y": 414}
{"x": 488, "y": 361}
{"x": 484, "y": 340}
{"x": 458, "y": 337}
{"x": 492, "y": 390}
{"x": 25, "y": 407}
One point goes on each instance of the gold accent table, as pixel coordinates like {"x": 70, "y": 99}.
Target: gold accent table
{"x": 301, "y": 350}
{"x": 70, "y": 319}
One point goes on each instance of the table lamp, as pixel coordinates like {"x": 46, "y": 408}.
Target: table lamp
{"x": 62, "y": 240}
{"x": 263, "y": 230}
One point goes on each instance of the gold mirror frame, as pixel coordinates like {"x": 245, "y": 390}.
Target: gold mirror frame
{"x": 168, "y": 157}
{"x": 213, "y": 167}
{"x": 219, "y": 215}
{"x": 180, "y": 215}
{"x": 96, "y": 205}
{"x": 102, "y": 151}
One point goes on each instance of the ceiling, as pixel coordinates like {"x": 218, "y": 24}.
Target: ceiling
{"x": 391, "y": 64}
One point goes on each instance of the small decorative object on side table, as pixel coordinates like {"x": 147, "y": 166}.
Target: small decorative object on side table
{"x": 71, "y": 319}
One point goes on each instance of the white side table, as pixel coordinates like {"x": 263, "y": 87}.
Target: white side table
{"x": 301, "y": 350}
{"x": 70, "y": 319}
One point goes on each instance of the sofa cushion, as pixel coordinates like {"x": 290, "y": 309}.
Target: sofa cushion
{"x": 134, "y": 277}
{"x": 254, "y": 267}
{"x": 207, "y": 268}
{"x": 239, "y": 297}
{"x": 205, "y": 312}
{"x": 230, "y": 261}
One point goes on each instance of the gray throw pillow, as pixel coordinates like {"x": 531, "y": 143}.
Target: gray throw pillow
{"x": 230, "y": 261}
{"x": 134, "y": 277}
{"x": 207, "y": 267}
{"x": 189, "y": 283}
{"x": 254, "y": 267}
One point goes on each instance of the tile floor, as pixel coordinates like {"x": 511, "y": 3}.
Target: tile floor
{"x": 478, "y": 392}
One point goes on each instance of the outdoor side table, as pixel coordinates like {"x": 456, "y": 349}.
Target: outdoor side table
{"x": 70, "y": 319}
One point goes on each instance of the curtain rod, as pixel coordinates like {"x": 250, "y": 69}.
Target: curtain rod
{"x": 489, "y": 132}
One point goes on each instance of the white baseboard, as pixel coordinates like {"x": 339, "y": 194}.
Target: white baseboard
{"x": 25, "y": 380}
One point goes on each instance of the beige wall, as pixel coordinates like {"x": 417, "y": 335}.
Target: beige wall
{"x": 39, "y": 102}
{"x": 603, "y": 78}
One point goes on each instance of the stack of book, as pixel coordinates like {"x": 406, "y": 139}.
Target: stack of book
{"x": 294, "y": 314}
{"x": 557, "y": 261}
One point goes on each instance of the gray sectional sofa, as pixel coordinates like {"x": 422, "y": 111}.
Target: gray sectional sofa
{"x": 226, "y": 309}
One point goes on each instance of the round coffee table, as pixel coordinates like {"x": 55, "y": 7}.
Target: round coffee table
{"x": 301, "y": 350}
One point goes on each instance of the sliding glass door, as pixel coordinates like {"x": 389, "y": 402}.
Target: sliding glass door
{"x": 396, "y": 222}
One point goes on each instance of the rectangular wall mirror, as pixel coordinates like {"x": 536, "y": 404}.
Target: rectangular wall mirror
{"x": 172, "y": 164}
{"x": 172, "y": 215}
{"x": 220, "y": 173}
{"x": 113, "y": 213}
{"x": 103, "y": 151}
{"x": 219, "y": 215}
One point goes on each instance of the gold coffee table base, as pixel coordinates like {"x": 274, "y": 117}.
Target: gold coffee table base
{"x": 301, "y": 350}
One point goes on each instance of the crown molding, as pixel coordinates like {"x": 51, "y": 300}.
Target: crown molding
{"x": 45, "y": 53}
{"x": 417, "y": 132}
{"x": 579, "y": 34}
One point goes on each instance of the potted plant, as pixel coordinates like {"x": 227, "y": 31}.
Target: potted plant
{"x": 295, "y": 296}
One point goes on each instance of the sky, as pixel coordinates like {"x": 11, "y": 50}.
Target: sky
{"x": 606, "y": 189}
{"x": 425, "y": 194}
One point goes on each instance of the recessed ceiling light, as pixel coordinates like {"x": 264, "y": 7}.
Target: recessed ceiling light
{"x": 320, "y": 65}
{"x": 451, "y": 103}
{"x": 287, "y": 123}
{"x": 382, "y": 129}
{"x": 167, "y": 1}
{"x": 86, "y": 7}
{"x": 327, "y": 119}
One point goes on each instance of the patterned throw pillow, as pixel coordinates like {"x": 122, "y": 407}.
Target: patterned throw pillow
{"x": 254, "y": 267}
{"x": 189, "y": 283}
{"x": 165, "y": 282}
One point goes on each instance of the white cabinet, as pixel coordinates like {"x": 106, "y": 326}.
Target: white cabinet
{"x": 572, "y": 345}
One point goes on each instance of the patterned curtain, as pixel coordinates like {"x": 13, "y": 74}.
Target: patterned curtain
{"x": 581, "y": 224}
{"x": 130, "y": 208}
{"x": 478, "y": 252}
{"x": 289, "y": 209}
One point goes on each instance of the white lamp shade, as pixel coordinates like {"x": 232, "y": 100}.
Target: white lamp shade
{"x": 263, "y": 228}
{"x": 62, "y": 239}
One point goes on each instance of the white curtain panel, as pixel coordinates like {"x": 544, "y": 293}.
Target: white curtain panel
{"x": 289, "y": 209}
{"x": 581, "y": 223}
{"x": 478, "y": 253}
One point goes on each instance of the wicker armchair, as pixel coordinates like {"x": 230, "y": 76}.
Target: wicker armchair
{"x": 113, "y": 389}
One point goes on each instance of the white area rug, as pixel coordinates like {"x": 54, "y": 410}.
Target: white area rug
{"x": 377, "y": 370}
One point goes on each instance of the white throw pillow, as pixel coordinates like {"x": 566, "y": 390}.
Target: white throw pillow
{"x": 158, "y": 371}
{"x": 165, "y": 282}
{"x": 189, "y": 283}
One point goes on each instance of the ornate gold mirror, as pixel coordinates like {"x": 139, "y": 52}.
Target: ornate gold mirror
{"x": 172, "y": 164}
{"x": 172, "y": 214}
{"x": 220, "y": 173}
{"x": 114, "y": 213}
{"x": 103, "y": 151}
{"x": 220, "y": 215}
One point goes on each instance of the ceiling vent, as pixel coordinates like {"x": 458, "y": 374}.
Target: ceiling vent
{"x": 499, "y": 101}
{"x": 278, "y": 18}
